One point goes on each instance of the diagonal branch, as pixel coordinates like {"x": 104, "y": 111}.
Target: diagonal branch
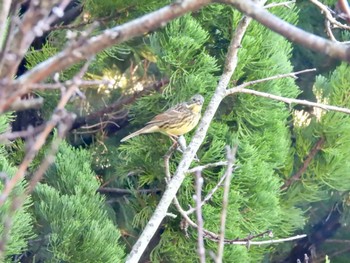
{"x": 176, "y": 181}
{"x": 73, "y": 54}
{"x": 288, "y": 100}
{"x": 231, "y": 158}
{"x": 200, "y": 223}
{"x": 4, "y": 12}
{"x": 328, "y": 15}
{"x": 59, "y": 117}
{"x": 293, "y": 33}
{"x": 315, "y": 149}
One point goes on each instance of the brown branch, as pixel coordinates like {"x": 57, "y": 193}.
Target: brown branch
{"x": 30, "y": 132}
{"x": 4, "y": 12}
{"x": 33, "y": 150}
{"x": 188, "y": 221}
{"x": 58, "y": 117}
{"x": 118, "y": 105}
{"x": 35, "y": 21}
{"x": 343, "y": 5}
{"x": 109, "y": 18}
{"x": 209, "y": 234}
{"x": 315, "y": 149}
{"x": 231, "y": 159}
{"x": 26, "y": 104}
{"x": 328, "y": 15}
{"x": 75, "y": 53}
{"x": 293, "y": 33}
{"x": 120, "y": 191}
{"x": 285, "y": 4}
{"x": 289, "y": 101}
{"x": 190, "y": 152}
{"x": 198, "y": 200}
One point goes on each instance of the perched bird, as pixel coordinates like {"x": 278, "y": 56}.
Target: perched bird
{"x": 176, "y": 121}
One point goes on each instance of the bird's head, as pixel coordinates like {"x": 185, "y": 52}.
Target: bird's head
{"x": 196, "y": 103}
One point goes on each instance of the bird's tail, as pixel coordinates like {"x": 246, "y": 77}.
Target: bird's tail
{"x": 147, "y": 129}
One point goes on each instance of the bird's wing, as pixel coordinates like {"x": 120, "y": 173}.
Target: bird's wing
{"x": 170, "y": 114}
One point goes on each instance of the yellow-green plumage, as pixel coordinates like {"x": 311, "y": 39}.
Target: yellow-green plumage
{"x": 175, "y": 121}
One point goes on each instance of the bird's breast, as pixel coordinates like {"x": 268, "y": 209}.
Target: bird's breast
{"x": 184, "y": 127}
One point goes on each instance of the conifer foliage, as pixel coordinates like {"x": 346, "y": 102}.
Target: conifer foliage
{"x": 291, "y": 166}
{"x": 75, "y": 224}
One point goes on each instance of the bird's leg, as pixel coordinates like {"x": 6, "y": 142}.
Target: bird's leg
{"x": 174, "y": 138}
{"x": 183, "y": 145}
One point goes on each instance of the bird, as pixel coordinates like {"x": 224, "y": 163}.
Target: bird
{"x": 176, "y": 121}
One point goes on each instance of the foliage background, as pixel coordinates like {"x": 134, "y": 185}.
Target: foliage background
{"x": 77, "y": 224}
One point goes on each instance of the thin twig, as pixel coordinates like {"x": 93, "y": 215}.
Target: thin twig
{"x": 231, "y": 157}
{"x": 83, "y": 83}
{"x": 345, "y": 9}
{"x": 5, "y": 9}
{"x": 328, "y": 15}
{"x": 73, "y": 54}
{"x": 293, "y": 33}
{"x": 286, "y": 4}
{"x": 315, "y": 149}
{"x": 211, "y": 235}
{"x": 210, "y": 194}
{"x": 119, "y": 191}
{"x": 241, "y": 89}
{"x": 206, "y": 166}
{"x": 329, "y": 30}
{"x": 278, "y": 76}
{"x": 198, "y": 200}
{"x": 26, "y": 104}
{"x": 49, "y": 159}
{"x": 57, "y": 117}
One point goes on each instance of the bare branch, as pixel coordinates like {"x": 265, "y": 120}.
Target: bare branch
{"x": 105, "y": 113}
{"x": 20, "y": 105}
{"x": 206, "y": 166}
{"x": 208, "y": 234}
{"x": 288, "y": 100}
{"x": 268, "y": 242}
{"x": 315, "y": 149}
{"x": 4, "y": 12}
{"x": 116, "y": 35}
{"x": 293, "y": 33}
{"x": 286, "y": 4}
{"x": 343, "y": 6}
{"x": 190, "y": 152}
{"x": 198, "y": 200}
{"x": 328, "y": 15}
{"x": 231, "y": 157}
{"x": 119, "y": 191}
{"x": 33, "y": 24}
{"x": 59, "y": 117}
{"x": 279, "y": 76}
{"x": 209, "y": 195}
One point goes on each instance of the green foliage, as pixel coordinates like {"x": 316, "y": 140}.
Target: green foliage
{"x": 180, "y": 53}
{"x": 190, "y": 51}
{"x": 259, "y": 126}
{"x": 330, "y": 168}
{"x": 21, "y": 221}
{"x": 73, "y": 217}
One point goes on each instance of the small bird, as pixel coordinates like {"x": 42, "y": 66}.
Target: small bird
{"x": 176, "y": 121}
